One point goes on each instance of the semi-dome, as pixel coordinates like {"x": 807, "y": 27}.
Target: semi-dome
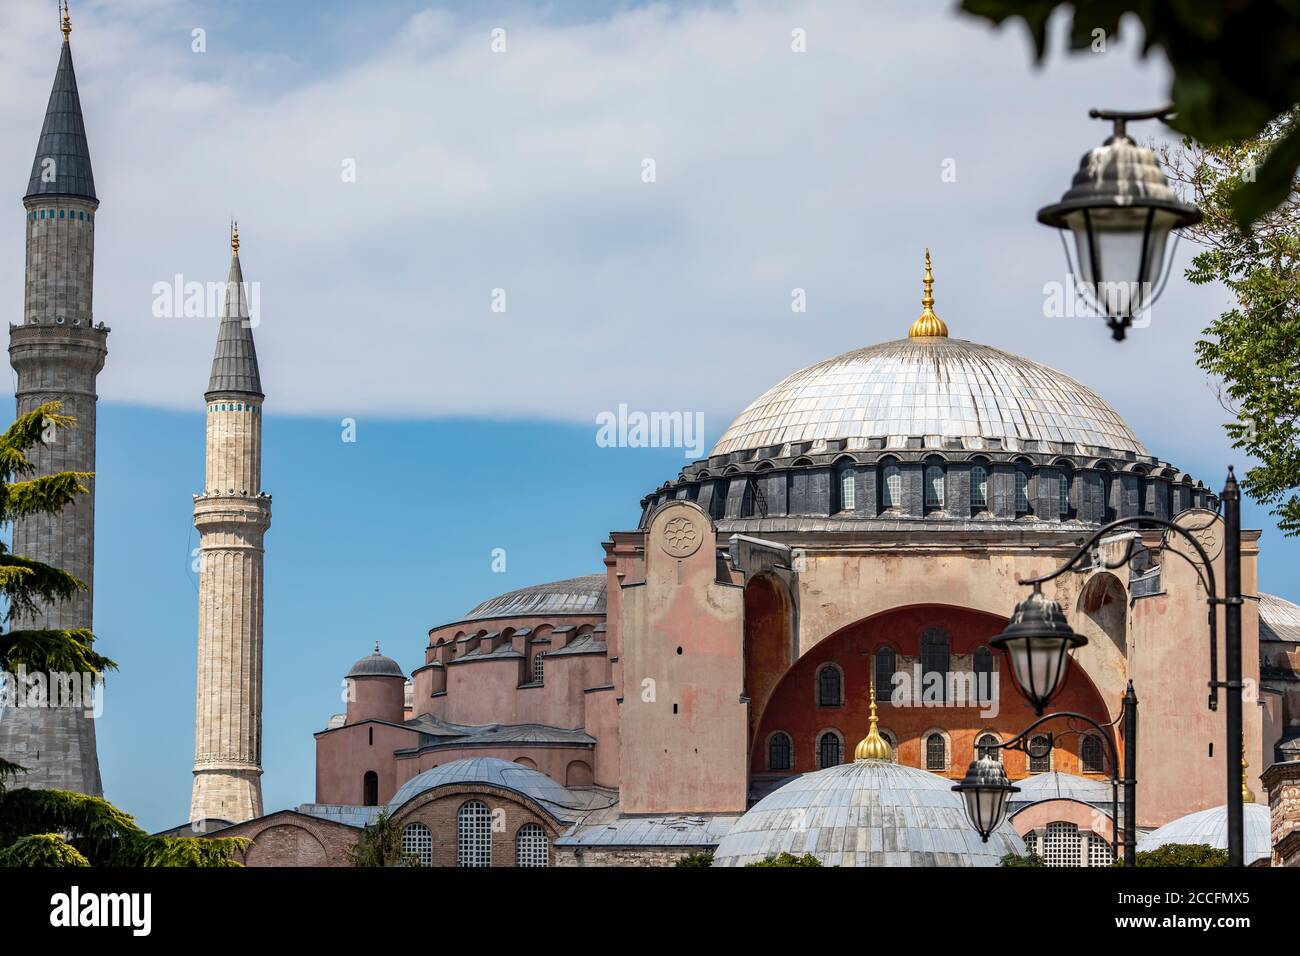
{"x": 585, "y": 595}
{"x": 493, "y": 771}
{"x": 865, "y": 813}
{"x": 376, "y": 664}
{"x": 1211, "y": 828}
{"x": 928, "y": 385}
{"x": 1055, "y": 785}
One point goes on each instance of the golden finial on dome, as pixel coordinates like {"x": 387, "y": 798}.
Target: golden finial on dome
{"x": 873, "y": 746}
{"x": 67, "y": 22}
{"x": 1247, "y": 795}
{"x": 928, "y": 324}
{"x": 234, "y": 237}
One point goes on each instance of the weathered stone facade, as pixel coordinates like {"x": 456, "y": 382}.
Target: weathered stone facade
{"x": 289, "y": 838}
{"x": 1282, "y": 781}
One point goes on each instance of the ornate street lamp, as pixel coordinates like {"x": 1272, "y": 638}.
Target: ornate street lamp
{"x": 986, "y": 790}
{"x": 1038, "y": 641}
{"x": 1120, "y": 211}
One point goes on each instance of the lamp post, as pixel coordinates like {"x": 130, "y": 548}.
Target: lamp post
{"x": 1038, "y": 640}
{"x": 1120, "y": 211}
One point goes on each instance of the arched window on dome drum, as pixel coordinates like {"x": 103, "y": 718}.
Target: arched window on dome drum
{"x": 539, "y": 668}
{"x": 891, "y": 495}
{"x": 979, "y": 487}
{"x": 934, "y": 660}
{"x": 1040, "y": 754}
{"x": 830, "y": 686}
{"x": 779, "y": 751}
{"x": 848, "y": 489}
{"x": 1022, "y": 492}
{"x": 983, "y": 675}
{"x": 1063, "y": 502}
{"x": 473, "y": 834}
{"x": 936, "y": 753}
{"x": 718, "y": 505}
{"x": 934, "y": 486}
{"x": 987, "y": 746}
{"x": 370, "y": 789}
{"x": 531, "y": 846}
{"x": 886, "y": 665}
{"x": 417, "y": 845}
{"x": 1091, "y": 755}
{"x": 829, "y": 751}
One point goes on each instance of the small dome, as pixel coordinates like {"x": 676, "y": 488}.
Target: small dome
{"x": 377, "y": 665}
{"x": 1279, "y": 619}
{"x": 533, "y": 784}
{"x": 585, "y": 595}
{"x": 1211, "y": 827}
{"x": 866, "y": 813}
{"x": 1061, "y": 786}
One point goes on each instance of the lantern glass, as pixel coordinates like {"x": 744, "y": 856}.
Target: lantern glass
{"x": 985, "y": 790}
{"x": 1120, "y": 254}
{"x": 1038, "y": 665}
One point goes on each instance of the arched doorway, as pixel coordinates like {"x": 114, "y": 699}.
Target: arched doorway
{"x": 769, "y": 641}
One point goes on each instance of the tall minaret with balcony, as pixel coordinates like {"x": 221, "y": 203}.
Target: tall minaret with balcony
{"x": 56, "y": 353}
{"x": 232, "y": 516}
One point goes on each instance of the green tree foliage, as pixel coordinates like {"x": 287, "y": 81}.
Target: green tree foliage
{"x": 380, "y": 845}
{"x": 1233, "y": 62}
{"x": 702, "y": 858}
{"x": 788, "y": 859}
{"x": 1183, "y": 854}
{"x": 1252, "y": 350}
{"x": 1015, "y": 859}
{"x": 96, "y": 833}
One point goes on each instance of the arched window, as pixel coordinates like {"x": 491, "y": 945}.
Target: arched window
{"x": 979, "y": 487}
{"x": 1091, "y": 755}
{"x": 718, "y": 505}
{"x": 1100, "y": 852}
{"x": 848, "y": 488}
{"x": 983, "y": 675}
{"x": 830, "y": 686}
{"x": 886, "y": 665}
{"x": 417, "y": 845}
{"x": 830, "y": 751}
{"x": 539, "y": 668}
{"x": 779, "y": 751}
{"x": 934, "y": 486}
{"x": 473, "y": 834}
{"x": 934, "y": 660}
{"x": 891, "y": 487}
{"x": 531, "y": 846}
{"x": 1063, "y": 499}
{"x": 1022, "y": 491}
{"x": 370, "y": 789}
{"x": 936, "y": 753}
{"x": 987, "y": 746}
{"x": 1062, "y": 845}
{"x": 1040, "y": 754}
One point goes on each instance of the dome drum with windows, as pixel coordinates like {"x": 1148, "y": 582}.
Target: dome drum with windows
{"x": 934, "y": 429}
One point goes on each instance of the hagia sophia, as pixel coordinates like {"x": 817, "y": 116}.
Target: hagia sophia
{"x": 727, "y": 678}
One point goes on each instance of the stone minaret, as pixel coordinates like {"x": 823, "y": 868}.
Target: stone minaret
{"x": 232, "y": 516}
{"x": 56, "y": 354}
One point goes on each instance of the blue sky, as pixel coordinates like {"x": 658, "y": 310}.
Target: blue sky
{"x": 521, "y": 171}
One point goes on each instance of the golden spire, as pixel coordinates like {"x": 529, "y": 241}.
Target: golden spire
{"x": 928, "y": 324}
{"x": 234, "y": 237}
{"x": 1247, "y": 795}
{"x": 873, "y": 746}
{"x": 67, "y": 22}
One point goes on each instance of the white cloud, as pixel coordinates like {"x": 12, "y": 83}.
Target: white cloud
{"x": 522, "y": 170}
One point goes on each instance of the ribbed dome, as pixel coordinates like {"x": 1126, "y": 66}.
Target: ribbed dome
{"x": 585, "y": 595}
{"x": 1211, "y": 828}
{"x": 376, "y": 665}
{"x": 865, "y": 813}
{"x": 928, "y": 386}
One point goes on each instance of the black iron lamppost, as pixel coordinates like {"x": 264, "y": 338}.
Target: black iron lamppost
{"x": 987, "y": 790}
{"x": 1121, "y": 211}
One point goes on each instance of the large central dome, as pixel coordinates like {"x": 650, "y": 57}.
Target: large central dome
{"x": 928, "y": 385}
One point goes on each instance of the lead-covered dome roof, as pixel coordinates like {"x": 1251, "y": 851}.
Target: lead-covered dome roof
{"x": 584, "y": 595}
{"x": 865, "y": 813}
{"x": 376, "y": 664}
{"x": 928, "y": 385}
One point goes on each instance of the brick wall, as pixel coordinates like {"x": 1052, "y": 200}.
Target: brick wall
{"x": 289, "y": 838}
{"x": 624, "y": 856}
{"x": 437, "y": 810}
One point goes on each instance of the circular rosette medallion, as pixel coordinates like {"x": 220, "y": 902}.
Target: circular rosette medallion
{"x": 1203, "y": 525}
{"x": 681, "y": 536}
